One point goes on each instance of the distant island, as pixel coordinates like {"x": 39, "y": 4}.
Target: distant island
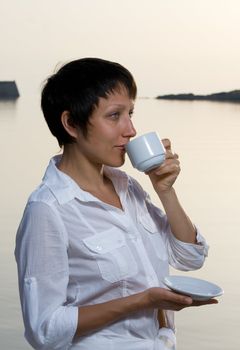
{"x": 231, "y": 96}
{"x": 8, "y": 90}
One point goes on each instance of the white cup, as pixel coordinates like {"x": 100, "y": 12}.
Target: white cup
{"x": 146, "y": 152}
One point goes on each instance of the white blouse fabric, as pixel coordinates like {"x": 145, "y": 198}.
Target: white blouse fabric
{"x": 73, "y": 250}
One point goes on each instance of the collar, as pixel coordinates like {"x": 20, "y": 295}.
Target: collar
{"x": 65, "y": 189}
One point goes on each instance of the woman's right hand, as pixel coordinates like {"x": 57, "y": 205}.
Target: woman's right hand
{"x": 93, "y": 317}
{"x": 165, "y": 299}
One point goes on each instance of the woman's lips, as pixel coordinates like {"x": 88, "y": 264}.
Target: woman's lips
{"x": 121, "y": 147}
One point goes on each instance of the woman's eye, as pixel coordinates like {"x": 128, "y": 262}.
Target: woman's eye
{"x": 115, "y": 115}
{"x": 131, "y": 114}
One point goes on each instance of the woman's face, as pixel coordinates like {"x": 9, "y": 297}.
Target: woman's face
{"x": 109, "y": 130}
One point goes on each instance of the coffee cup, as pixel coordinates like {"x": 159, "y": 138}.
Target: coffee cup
{"x": 146, "y": 152}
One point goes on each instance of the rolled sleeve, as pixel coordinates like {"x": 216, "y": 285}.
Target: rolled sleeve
{"x": 43, "y": 271}
{"x": 182, "y": 256}
{"x": 48, "y": 324}
{"x": 186, "y": 256}
{"x": 65, "y": 321}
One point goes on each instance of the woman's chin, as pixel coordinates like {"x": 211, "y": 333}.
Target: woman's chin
{"x": 116, "y": 163}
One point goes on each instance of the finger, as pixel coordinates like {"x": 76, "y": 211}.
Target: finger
{"x": 178, "y": 299}
{"x": 166, "y": 144}
{"x": 178, "y": 307}
{"x": 175, "y": 156}
{"x": 204, "y": 302}
{"x": 170, "y": 155}
{"x": 168, "y": 167}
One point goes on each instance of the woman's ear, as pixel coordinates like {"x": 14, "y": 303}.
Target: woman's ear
{"x": 68, "y": 124}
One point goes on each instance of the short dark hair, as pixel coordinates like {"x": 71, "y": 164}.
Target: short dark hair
{"x": 76, "y": 87}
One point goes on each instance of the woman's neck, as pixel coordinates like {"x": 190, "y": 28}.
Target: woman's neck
{"x": 89, "y": 176}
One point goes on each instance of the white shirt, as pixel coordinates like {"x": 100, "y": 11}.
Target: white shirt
{"x": 72, "y": 249}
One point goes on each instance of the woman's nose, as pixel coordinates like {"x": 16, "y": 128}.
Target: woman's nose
{"x": 130, "y": 131}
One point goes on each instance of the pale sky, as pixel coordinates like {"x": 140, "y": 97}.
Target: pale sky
{"x": 170, "y": 46}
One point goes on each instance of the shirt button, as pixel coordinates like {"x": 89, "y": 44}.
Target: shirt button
{"x": 99, "y": 248}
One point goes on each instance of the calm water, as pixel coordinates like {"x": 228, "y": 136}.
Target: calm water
{"x": 206, "y": 137}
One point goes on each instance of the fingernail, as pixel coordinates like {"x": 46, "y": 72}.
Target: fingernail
{"x": 188, "y": 300}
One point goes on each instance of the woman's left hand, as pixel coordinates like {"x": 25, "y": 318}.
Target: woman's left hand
{"x": 166, "y": 174}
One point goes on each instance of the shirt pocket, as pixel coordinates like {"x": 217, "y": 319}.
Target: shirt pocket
{"x": 154, "y": 235}
{"x": 112, "y": 254}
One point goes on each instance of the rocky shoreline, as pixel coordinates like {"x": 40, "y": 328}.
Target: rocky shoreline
{"x": 231, "y": 96}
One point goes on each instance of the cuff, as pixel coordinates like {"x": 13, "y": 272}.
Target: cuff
{"x": 187, "y": 256}
{"x": 63, "y": 327}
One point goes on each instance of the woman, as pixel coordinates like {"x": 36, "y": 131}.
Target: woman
{"x": 91, "y": 248}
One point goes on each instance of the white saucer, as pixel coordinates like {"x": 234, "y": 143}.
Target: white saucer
{"x": 196, "y": 288}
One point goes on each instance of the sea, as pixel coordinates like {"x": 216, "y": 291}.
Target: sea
{"x": 206, "y": 136}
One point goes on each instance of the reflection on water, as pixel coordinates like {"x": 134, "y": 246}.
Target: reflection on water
{"x": 206, "y": 136}
{"x": 7, "y": 109}
{"x": 7, "y": 104}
